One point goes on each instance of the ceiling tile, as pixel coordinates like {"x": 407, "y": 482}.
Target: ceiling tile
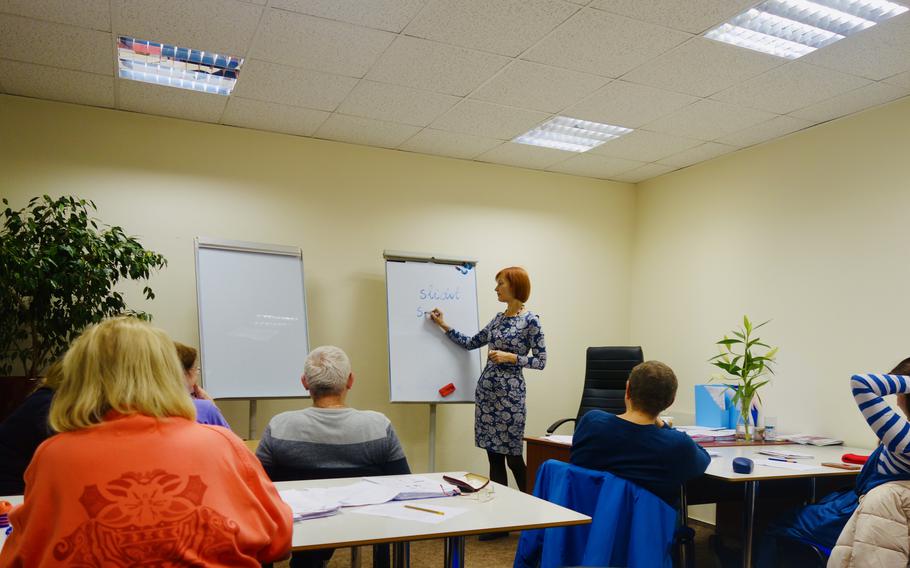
{"x": 366, "y": 131}
{"x": 702, "y": 67}
{"x": 643, "y": 173}
{"x": 698, "y": 154}
{"x": 540, "y": 87}
{"x": 901, "y": 79}
{"x": 395, "y": 103}
{"x": 272, "y": 117}
{"x": 789, "y": 87}
{"x": 57, "y": 84}
{"x": 877, "y": 52}
{"x": 453, "y": 144}
{"x": 57, "y": 45}
{"x": 627, "y": 104}
{"x": 693, "y": 16}
{"x": 592, "y": 165}
{"x": 869, "y": 96}
{"x": 645, "y": 146}
{"x": 93, "y": 14}
{"x": 598, "y": 42}
{"x": 292, "y": 86}
{"x": 489, "y": 120}
{"x": 768, "y": 130}
{"x": 507, "y": 27}
{"x": 168, "y": 101}
{"x": 390, "y": 15}
{"x": 707, "y": 120}
{"x": 317, "y": 43}
{"x": 435, "y": 66}
{"x": 523, "y": 156}
{"x": 223, "y": 26}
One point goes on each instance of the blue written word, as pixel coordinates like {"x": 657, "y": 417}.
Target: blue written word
{"x": 431, "y": 293}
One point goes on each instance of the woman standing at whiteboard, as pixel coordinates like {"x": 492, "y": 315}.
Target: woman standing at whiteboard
{"x": 516, "y": 341}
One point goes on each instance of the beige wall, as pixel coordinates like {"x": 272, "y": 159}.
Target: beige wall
{"x": 808, "y": 231}
{"x": 170, "y": 180}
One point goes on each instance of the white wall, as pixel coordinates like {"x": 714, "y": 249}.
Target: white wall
{"x": 170, "y": 180}
{"x": 809, "y": 231}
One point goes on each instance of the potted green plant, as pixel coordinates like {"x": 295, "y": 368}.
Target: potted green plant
{"x": 746, "y": 370}
{"x": 58, "y": 269}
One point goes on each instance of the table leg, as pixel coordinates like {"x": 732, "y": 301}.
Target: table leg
{"x": 454, "y": 552}
{"x": 401, "y": 554}
{"x": 355, "y": 557}
{"x": 748, "y": 520}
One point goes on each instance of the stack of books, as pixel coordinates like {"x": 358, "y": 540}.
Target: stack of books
{"x": 806, "y": 439}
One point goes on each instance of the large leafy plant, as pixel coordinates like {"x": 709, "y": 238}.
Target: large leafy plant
{"x": 746, "y": 369}
{"x": 58, "y": 272}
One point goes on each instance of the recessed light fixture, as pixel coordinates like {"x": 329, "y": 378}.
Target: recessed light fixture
{"x": 180, "y": 67}
{"x": 571, "y": 134}
{"x": 793, "y": 28}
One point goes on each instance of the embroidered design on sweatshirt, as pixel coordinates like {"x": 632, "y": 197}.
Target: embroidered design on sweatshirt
{"x": 151, "y": 519}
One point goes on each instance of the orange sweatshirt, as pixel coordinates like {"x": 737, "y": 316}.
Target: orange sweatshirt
{"x": 139, "y": 490}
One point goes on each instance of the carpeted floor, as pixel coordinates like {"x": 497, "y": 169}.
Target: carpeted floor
{"x": 493, "y": 554}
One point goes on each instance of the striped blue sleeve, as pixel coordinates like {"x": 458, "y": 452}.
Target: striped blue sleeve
{"x": 891, "y": 427}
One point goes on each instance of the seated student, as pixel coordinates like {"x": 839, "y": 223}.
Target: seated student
{"x": 821, "y": 523}
{"x": 636, "y": 445}
{"x": 330, "y": 439}
{"x": 206, "y": 411}
{"x": 23, "y": 431}
{"x": 131, "y": 478}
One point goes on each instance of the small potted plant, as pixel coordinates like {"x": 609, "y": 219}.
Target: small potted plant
{"x": 746, "y": 371}
{"x": 58, "y": 269}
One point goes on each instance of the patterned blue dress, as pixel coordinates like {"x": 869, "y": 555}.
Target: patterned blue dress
{"x": 499, "y": 409}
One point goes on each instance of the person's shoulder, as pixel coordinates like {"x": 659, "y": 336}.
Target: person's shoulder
{"x": 371, "y": 416}
{"x": 596, "y": 418}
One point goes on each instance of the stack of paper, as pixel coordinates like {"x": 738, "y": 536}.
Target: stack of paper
{"x": 414, "y": 487}
{"x": 805, "y": 439}
{"x": 701, "y": 434}
{"x": 310, "y": 503}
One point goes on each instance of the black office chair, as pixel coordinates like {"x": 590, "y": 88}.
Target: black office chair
{"x": 606, "y": 372}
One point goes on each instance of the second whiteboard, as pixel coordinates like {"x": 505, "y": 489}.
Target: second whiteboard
{"x": 421, "y": 358}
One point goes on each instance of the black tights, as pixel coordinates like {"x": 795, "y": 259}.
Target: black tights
{"x": 498, "y": 469}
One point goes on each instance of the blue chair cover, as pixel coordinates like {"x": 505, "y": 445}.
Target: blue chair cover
{"x": 631, "y": 526}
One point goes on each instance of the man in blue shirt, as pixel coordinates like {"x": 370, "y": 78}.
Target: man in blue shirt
{"x": 636, "y": 445}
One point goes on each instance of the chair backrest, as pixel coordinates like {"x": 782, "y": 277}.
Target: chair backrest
{"x": 606, "y": 372}
{"x": 630, "y": 526}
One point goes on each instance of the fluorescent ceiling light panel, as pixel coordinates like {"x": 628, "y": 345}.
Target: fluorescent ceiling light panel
{"x": 793, "y": 28}
{"x": 571, "y": 134}
{"x": 180, "y": 67}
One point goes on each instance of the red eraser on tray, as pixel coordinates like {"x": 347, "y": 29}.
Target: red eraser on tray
{"x": 447, "y": 390}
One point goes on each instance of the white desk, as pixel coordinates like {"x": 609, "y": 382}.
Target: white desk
{"x": 722, "y": 468}
{"x": 509, "y": 510}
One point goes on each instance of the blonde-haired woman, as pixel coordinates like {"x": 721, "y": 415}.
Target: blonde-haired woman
{"x": 131, "y": 477}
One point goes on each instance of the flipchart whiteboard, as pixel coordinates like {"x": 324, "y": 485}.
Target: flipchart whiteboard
{"x": 252, "y": 319}
{"x": 421, "y": 358}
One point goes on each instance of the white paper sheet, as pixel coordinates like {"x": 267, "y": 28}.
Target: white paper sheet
{"x": 363, "y": 493}
{"x": 397, "y": 510}
{"x": 786, "y": 465}
{"x": 560, "y": 439}
{"x": 786, "y": 454}
{"x": 415, "y": 487}
{"x": 310, "y": 503}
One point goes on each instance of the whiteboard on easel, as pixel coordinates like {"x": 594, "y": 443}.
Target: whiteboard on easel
{"x": 252, "y": 319}
{"x": 421, "y": 358}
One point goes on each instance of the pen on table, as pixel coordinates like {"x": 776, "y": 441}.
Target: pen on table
{"x": 416, "y": 508}
{"x": 782, "y": 460}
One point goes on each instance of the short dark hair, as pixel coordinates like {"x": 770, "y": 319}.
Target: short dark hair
{"x": 902, "y": 368}
{"x": 652, "y": 387}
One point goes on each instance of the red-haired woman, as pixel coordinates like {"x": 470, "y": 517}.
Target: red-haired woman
{"x": 516, "y": 341}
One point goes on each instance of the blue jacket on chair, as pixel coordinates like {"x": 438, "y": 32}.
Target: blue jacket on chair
{"x": 630, "y": 525}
